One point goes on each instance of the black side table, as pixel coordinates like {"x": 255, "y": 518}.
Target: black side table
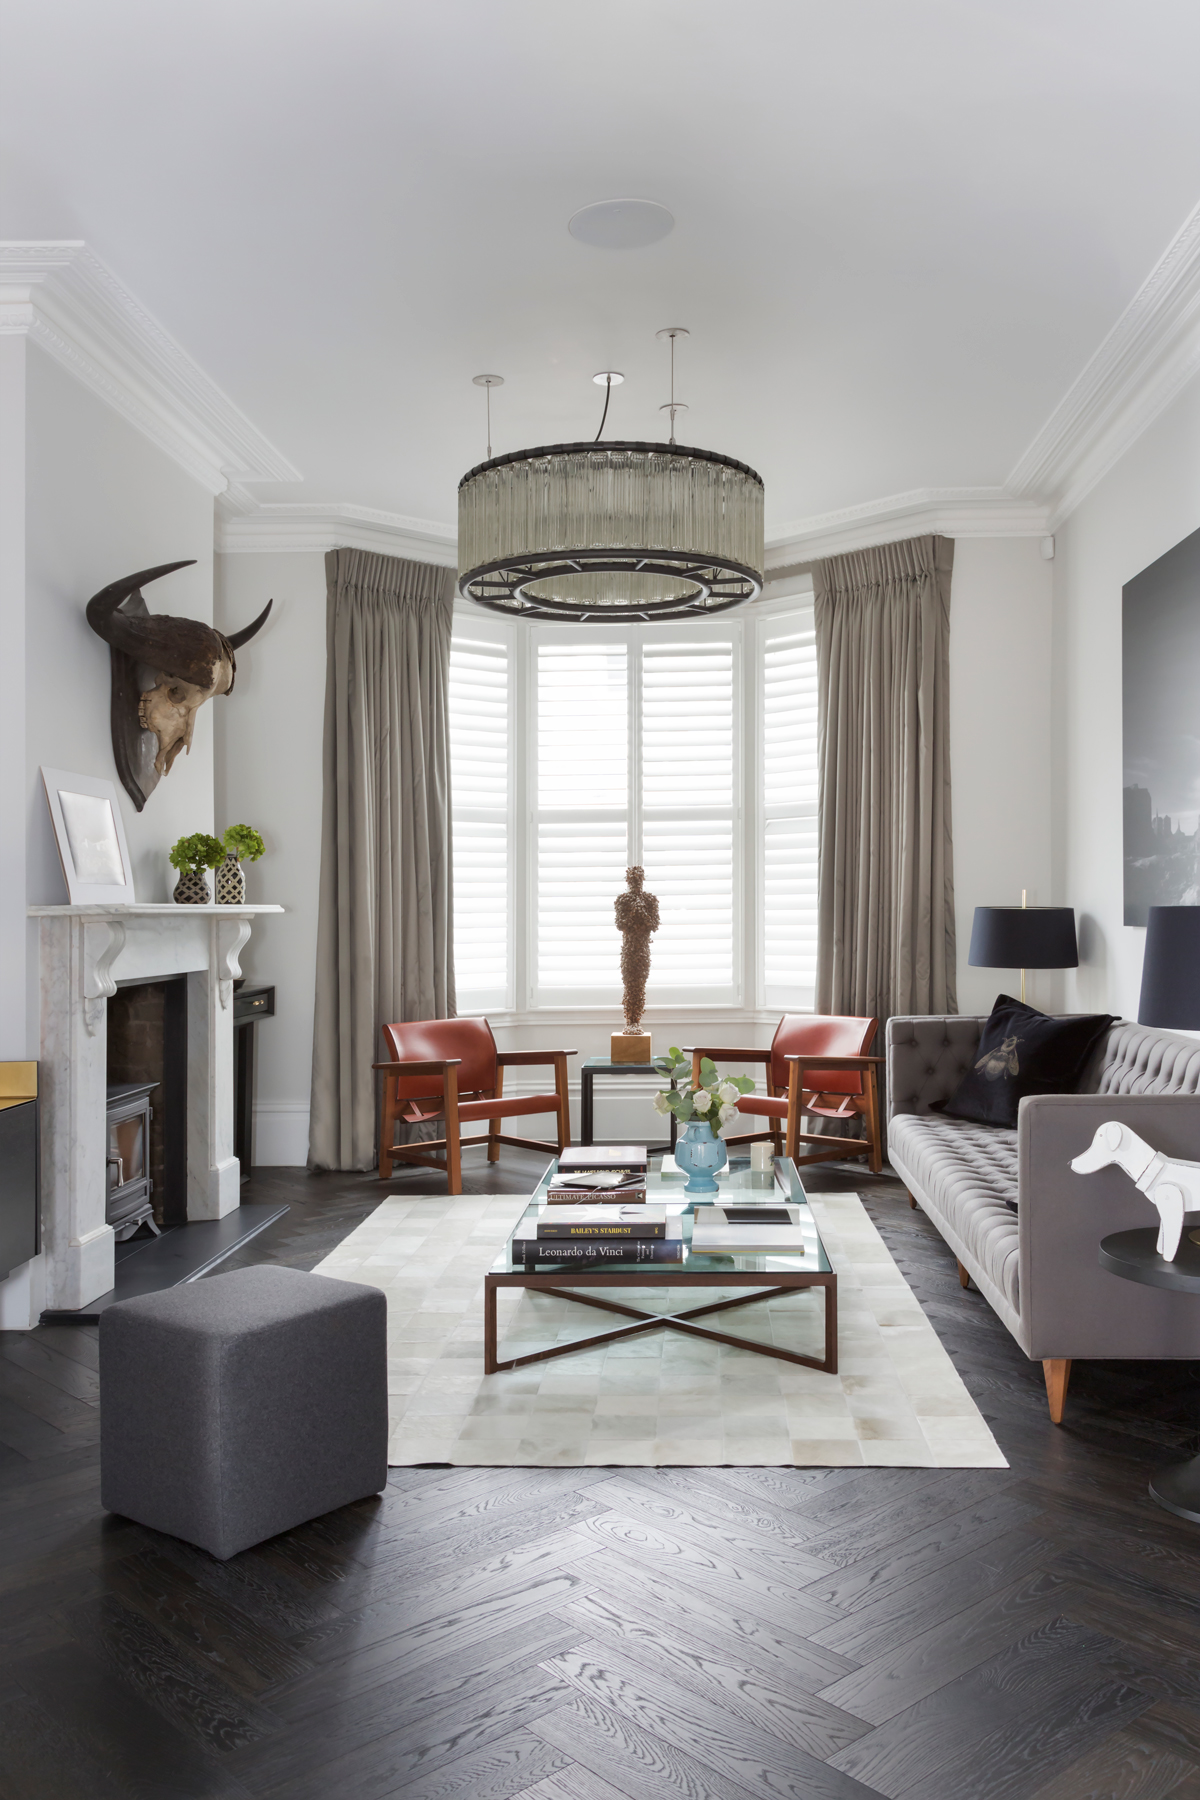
{"x": 603, "y": 1065}
{"x": 1133, "y": 1255}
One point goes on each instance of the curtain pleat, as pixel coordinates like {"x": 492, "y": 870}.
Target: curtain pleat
{"x": 385, "y": 925}
{"x": 885, "y": 937}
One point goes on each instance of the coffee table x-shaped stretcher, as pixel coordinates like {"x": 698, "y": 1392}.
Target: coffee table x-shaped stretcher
{"x": 762, "y": 1286}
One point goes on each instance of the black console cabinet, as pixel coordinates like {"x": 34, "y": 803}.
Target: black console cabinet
{"x": 249, "y": 1005}
{"x": 19, "y": 1226}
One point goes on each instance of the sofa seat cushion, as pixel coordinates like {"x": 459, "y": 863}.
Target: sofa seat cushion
{"x": 969, "y": 1172}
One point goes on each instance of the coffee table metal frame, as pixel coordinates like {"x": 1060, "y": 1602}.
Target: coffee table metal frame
{"x": 566, "y": 1284}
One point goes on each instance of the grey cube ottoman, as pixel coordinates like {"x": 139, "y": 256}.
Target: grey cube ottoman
{"x": 236, "y": 1407}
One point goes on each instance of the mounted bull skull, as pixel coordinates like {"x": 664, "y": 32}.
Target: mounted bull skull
{"x": 163, "y": 670}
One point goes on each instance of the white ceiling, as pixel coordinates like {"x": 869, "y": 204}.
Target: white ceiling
{"x": 903, "y": 226}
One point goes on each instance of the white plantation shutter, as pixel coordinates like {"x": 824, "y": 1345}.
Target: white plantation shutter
{"x": 582, "y": 826}
{"x": 789, "y": 798}
{"x": 636, "y": 762}
{"x": 479, "y": 757}
{"x": 688, "y": 784}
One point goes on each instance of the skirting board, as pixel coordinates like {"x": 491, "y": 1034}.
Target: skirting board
{"x": 280, "y": 1134}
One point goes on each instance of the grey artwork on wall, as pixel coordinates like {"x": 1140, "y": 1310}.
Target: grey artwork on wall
{"x": 1160, "y": 628}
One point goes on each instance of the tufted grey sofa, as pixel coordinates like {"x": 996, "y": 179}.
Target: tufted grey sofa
{"x": 1025, "y": 1228}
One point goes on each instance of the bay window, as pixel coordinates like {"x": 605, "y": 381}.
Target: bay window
{"x": 687, "y": 748}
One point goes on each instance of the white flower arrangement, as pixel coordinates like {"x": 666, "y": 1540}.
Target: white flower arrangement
{"x": 713, "y": 1099}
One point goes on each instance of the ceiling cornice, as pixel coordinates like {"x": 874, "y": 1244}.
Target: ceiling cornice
{"x": 64, "y": 299}
{"x": 954, "y": 512}
{"x": 247, "y": 524}
{"x": 1150, "y": 354}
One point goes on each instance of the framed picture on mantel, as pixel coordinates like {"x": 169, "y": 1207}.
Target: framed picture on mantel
{"x": 90, "y": 835}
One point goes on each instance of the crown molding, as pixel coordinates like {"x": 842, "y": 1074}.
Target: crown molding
{"x": 1148, "y": 357}
{"x": 64, "y": 299}
{"x": 952, "y": 512}
{"x": 246, "y": 524}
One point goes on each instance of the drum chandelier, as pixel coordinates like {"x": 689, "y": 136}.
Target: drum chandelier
{"x": 601, "y": 532}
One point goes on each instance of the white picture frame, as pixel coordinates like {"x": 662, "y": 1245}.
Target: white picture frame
{"x": 90, "y": 834}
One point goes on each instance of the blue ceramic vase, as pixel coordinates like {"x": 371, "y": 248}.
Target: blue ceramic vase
{"x": 701, "y": 1154}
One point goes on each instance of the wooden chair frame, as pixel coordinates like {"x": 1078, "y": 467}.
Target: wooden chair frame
{"x": 453, "y": 1144}
{"x": 787, "y": 1141}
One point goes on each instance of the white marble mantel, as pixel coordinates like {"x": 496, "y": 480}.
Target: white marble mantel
{"x": 85, "y": 952}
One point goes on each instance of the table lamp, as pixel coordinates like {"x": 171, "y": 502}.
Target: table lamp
{"x": 1171, "y": 968}
{"x": 1025, "y": 937}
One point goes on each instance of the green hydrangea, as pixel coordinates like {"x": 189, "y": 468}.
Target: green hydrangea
{"x": 200, "y": 851}
{"x": 245, "y": 842}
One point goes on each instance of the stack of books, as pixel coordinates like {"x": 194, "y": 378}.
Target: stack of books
{"x": 750, "y": 1230}
{"x": 637, "y": 1233}
{"x": 608, "y": 1173}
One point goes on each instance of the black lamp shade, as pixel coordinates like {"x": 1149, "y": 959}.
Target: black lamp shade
{"x": 1024, "y": 937}
{"x": 1171, "y": 968}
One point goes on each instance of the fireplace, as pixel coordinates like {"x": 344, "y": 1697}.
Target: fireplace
{"x": 147, "y": 1044}
{"x": 94, "y": 958}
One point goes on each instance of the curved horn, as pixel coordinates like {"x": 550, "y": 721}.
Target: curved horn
{"x": 102, "y": 609}
{"x": 238, "y": 638}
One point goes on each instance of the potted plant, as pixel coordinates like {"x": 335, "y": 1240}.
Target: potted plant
{"x": 240, "y": 842}
{"x": 192, "y": 856}
{"x": 702, "y": 1109}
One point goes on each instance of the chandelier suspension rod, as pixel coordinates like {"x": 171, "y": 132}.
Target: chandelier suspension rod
{"x": 604, "y": 414}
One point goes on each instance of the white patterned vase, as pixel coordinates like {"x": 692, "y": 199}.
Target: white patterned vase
{"x": 192, "y": 889}
{"x": 231, "y": 882}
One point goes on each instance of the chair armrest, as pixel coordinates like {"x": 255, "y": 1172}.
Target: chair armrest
{"x": 727, "y": 1055}
{"x": 834, "y": 1062}
{"x": 1070, "y": 1306}
{"x": 532, "y": 1056}
{"x": 418, "y": 1068}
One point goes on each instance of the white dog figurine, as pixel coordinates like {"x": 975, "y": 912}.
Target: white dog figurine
{"x": 1173, "y": 1185}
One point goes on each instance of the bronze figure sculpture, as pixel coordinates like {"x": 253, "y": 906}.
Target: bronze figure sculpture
{"x": 163, "y": 670}
{"x": 636, "y": 917}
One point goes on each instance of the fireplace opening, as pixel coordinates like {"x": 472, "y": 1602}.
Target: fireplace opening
{"x": 147, "y": 1105}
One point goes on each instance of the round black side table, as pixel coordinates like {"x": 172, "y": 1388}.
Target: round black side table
{"x": 1133, "y": 1256}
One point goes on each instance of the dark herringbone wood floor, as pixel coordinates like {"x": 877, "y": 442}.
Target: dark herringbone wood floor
{"x": 591, "y": 1634}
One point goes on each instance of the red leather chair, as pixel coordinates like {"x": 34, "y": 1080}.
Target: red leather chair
{"x": 818, "y": 1066}
{"x": 451, "y": 1069}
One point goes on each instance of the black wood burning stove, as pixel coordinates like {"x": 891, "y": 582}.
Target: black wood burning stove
{"x": 129, "y": 1185}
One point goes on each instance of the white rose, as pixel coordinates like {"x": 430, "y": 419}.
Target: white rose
{"x": 728, "y": 1113}
{"x": 660, "y": 1104}
{"x": 727, "y": 1092}
{"x": 702, "y": 1100}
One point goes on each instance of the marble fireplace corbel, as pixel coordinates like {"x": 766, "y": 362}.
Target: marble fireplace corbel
{"x": 85, "y": 952}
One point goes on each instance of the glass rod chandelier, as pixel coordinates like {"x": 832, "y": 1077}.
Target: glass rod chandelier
{"x": 607, "y": 531}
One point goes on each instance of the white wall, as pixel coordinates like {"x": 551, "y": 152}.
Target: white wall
{"x": 1146, "y": 504}
{"x": 268, "y": 774}
{"x": 99, "y": 502}
{"x": 1001, "y": 619}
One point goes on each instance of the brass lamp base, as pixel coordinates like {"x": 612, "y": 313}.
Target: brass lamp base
{"x": 630, "y": 1047}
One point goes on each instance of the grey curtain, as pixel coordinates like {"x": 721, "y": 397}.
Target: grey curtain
{"x": 384, "y": 934}
{"x": 885, "y": 939}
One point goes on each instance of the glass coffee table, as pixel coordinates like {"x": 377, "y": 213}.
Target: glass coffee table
{"x": 764, "y": 1275}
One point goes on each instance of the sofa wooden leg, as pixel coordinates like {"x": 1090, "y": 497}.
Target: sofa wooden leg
{"x": 912, "y": 1203}
{"x": 1057, "y": 1370}
{"x": 964, "y": 1279}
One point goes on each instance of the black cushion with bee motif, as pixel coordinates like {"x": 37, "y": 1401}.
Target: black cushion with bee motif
{"x": 1023, "y": 1051}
